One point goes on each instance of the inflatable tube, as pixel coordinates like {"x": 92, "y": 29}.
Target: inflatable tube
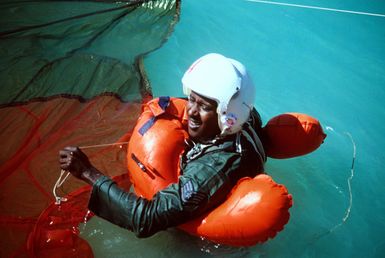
{"x": 156, "y": 145}
{"x": 256, "y": 209}
{"x": 291, "y": 135}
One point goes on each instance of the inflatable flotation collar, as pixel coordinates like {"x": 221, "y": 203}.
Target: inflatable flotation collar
{"x": 156, "y": 145}
{"x": 255, "y": 210}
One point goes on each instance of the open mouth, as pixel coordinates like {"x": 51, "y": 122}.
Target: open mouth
{"x": 194, "y": 124}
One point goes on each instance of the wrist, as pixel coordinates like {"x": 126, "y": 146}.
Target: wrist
{"x": 91, "y": 175}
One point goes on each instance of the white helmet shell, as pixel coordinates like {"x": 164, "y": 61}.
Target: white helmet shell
{"x": 226, "y": 81}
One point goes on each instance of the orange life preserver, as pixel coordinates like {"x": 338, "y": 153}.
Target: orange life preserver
{"x": 156, "y": 144}
{"x": 255, "y": 210}
{"x": 291, "y": 135}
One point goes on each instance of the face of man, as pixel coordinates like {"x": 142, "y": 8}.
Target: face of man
{"x": 202, "y": 118}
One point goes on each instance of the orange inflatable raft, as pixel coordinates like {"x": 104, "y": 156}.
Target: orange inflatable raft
{"x": 256, "y": 209}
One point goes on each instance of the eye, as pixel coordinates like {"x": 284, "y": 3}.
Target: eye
{"x": 191, "y": 99}
{"x": 206, "y": 108}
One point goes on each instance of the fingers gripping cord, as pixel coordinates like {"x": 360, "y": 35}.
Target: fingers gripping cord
{"x": 62, "y": 177}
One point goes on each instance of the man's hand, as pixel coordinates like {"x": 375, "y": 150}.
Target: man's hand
{"x": 73, "y": 160}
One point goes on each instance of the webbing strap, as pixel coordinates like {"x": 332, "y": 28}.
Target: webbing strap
{"x": 147, "y": 125}
{"x": 163, "y": 103}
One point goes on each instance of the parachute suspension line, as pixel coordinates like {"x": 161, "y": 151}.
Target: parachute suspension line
{"x": 26, "y": 28}
{"x": 103, "y": 145}
{"x": 61, "y": 179}
{"x": 59, "y": 182}
{"x": 349, "y": 179}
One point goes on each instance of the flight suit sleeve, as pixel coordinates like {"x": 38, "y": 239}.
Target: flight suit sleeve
{"x": 199, "y": 189}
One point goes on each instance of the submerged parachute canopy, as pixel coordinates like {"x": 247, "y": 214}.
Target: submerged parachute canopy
{"x": 70, "y": 75}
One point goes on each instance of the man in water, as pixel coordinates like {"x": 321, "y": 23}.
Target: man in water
{"x": 223, "y": 130}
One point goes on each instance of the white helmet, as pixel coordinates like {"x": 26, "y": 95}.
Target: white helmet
{"x": 226, "y": 81}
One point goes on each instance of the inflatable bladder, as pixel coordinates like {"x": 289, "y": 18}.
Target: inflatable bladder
{"x": 291, "y": 135}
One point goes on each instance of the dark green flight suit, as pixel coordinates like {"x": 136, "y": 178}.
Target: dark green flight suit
{"x": 209, "y": 173}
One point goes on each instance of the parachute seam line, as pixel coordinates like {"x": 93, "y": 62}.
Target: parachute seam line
{"x": 64, "y": 95}
{"x": 36, "y": 182}
{"x": 144, "y": 92}
{"x": 68, "y": 55}
{"x": 26, "y": 28}
{"x": 112, "y": 23}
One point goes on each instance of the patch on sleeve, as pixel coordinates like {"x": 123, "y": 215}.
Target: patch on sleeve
{"x": 190, "y": 196}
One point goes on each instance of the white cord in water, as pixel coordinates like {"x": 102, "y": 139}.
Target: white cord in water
{"x": 347, "y": 213}
{"x": 348, "y": 210}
